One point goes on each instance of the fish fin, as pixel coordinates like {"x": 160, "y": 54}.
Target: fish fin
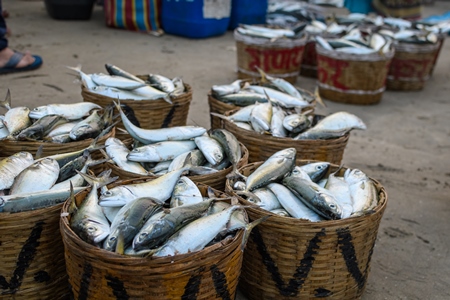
{"x": 318, "y": 97}
{"x": 210, "y": 192}
{"x": 102, "y": 180}
{"x": 120, "y": 245}
{"x": 73, "y": 205}
{"x": 167, "y": 99}
{"x": 108, "y": 158}
{"x": 248, "y": 230}
{"x": 263, "y": 74}
{"x": 219, "y": 116}
{"x": 39, "y": 152}
{"x": 7, "y": 102}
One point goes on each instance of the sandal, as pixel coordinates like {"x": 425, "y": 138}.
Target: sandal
{"x": 10, "y": 66}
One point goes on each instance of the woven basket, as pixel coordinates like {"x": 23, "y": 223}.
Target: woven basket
{"x": 262, "y": 146}
{"x": 441, "y": 43}
{"x": 216, "y": 180}
{"x": 220, "y": 107}
{"x": 9, "y": 147}
{"x": 405, "y": 9}
{"x": 309, "y": 61}
{"x": 412, "y": 66}
{"x": 281, "y": 58}
{"x": 288, "y": 258}
{"x": 352, "y": 78}
{"x": 32, "y": 255}
{"x": 151, "y": 114}
{"x": 94, "y": 273}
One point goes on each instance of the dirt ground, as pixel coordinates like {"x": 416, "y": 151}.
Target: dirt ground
{"x": 406, "y": 145}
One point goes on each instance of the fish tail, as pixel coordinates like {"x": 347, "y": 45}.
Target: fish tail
{"x": 120, "y": 245}
{"x": 167, "y": 99}
{"x": 248, "y": 229}
{"x": 73, "y": 206}
{"x": 262, "y": 73}
{"x": 102, "y": 180}
{"x": 318, "y": 98}
{"x": 219, "y": 116}
{"x": 7, "y": 102}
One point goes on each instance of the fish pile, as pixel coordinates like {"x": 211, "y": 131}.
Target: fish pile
{"x": 272, "y": 32}
{"x": 306, "y": 192}
{"x": 166, "y": 216}
{"x": 290, "y": 13}
{"x": 158, "y": 151}
{"x": 267, "y": 118}
{"x": 122, "y": 85}
{"x": 57, "y": 123}
{"x": 28, "y": 183}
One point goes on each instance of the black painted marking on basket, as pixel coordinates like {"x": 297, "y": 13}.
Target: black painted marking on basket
{"x": 220, "y": 283}
{"x": 117, "y": 287}
{"x": 85, "y": 280}
{"x": 26, "y": 256}
{"x": 322, "y": 293}
{"x": 42, "y": 276}
{"x": 349, "y": 254}
{"x": 302, "y": 270}
{"x": 193, "y": 285}
{"x": 168, "y": 119}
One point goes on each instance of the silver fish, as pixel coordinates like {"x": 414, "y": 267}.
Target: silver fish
{"x": 268, "y": 200}
{"x": 296, "y": 123}
{"x": 118, "y": 93}
{"x": 161, "y": 151}
{"x": 242, "y": 115}
{"x": 179, "y": 86}
{"x": 114, "y": 81}
{"x": 118, "y": 152}
{"x": 162, "y": 83}
{"x": 316, "y": 171}
{"x": 280, "y": 83}
{"x": 150, "y": 93}
{"x": 41, "y": 127}
{"x": 281, "y": 98}
{"x": 341, "y": 191}
{"x": 230, "y": 145}
{"x": 64, "y": 128}
{"x": 11, "y": 166}
{"x": 362, "y": 190}
{"x": 16, "y": 119}
{"x": 185, "y": 192}
{"x": 86, "y": 79}
{"x": 39, "y": 176}
{"x": 276, "y": 123}
{"x": 243, "y": 98}
{"x": 73, "y": 111}
{"x": 211, "y": 149}
{"x": 261, "y": 116}
{"x": 114, "y": 70}
{"x": 88, "y": 128}
{"x": 226, "y": 89}
{"x": 281, "y": 212}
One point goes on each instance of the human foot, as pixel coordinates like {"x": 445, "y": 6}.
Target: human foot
{"x": 13, "y": 61}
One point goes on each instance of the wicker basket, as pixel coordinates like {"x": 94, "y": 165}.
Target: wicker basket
{"x": 10, "y": 147}
{"x": 220, "y": 107}
{"x": 288, "y": 258}
{"x": 352, "y": 78}
{"x": 412, "y": 66}
{"x": 281, "y": 58}
{"x": 262, "y": 146}
{"x": 405, "y": 9}
{"x": 32, "y": 255}
{"x": 216, "y": 180}
{"x": 309, "y": 61}
{"x": 94, "y": 273}
{"x": 151, "y": 114}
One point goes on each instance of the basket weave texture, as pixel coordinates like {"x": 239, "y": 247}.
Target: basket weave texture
{"x": 262, "y": 146}
{"x": 288, "y": 258}
{"x": 352, "y": 78}
{"x": 151, "y": 114}
{"x": 220, "y": 107}
{"x": 412, "y": 66}
{"x": 281, "y": 58}
{"x": 94, "y": 273}
{"x": 32, "y": 255}
{"x": 10, "y": 147}
{"x": 215, "y": 180}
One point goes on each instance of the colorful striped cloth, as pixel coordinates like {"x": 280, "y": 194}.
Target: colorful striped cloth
{"x": 136, "y": 15}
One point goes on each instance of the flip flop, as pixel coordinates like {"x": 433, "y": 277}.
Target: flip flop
{"x": 10, "y": 66}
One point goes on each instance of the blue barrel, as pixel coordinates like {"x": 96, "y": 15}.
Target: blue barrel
{"x": 248, "y": 12}
{"x": 195, "y": 18}
{"x": 359, "y": 6}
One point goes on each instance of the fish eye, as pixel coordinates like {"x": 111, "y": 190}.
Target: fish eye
{"x": 332, "y": 206}
{"x": 91, "y": 229}
{"x": 113, "y": 238}
{"x": 107, "y": 193}
{"x": 143, "y": 235}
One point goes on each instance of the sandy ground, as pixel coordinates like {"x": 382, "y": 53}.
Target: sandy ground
{"x": 406, "y": 145}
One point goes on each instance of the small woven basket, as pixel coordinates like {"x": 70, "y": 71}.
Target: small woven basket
{"x": 10, "y": 147}
{"x": 405, "y": 9}
{"x": 289, "y": 258}
{"x": 412, "y": 66}
{"x": 352, "y": 78}
{"x": 215, "y": 180}
{"x": 262, "y": 146}
{"x": 281, "y": 58}
{"x": 94, "y": 273}
{"x": 32, "y": 255}
{"x": 151, "y": 114}
{"x": 220, "y": 107}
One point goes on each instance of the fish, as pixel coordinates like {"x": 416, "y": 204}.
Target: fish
{"x": 118, "y": 152}
{"x": 159, "y": 188}
{"x": 166, "y": 150}
{"x": 11, "y": 166}
{"x": 316, "y": 171}
{"x": 332, "y": 126}
{"x": 90, "y": 127}
{"x": 316, "y": 198}
{"x": 243, "y": 125}
{"x": 70, "y": 169}
{"x": 117, "y": 93}
{"x": 114, "y": 70}
{"x": 71, "y": 112}
{"x": 323, "y": 43}
{"x": 261, "y": 116}
{"x": 39, "y": 176}
{"x": 362, "y": 191}
{"x": 226, "y": 89}
{"x": 230, "y": 145}
{"x": 281, "y": 212}
{"x": 241, "y": 115}
{"x": 64, "y": 158}
{"x": 41, "y": 127}
{"x": 211, "y": 149}
{"x": 158, "y": 230}
{"x": 161, "y": 83}
{"x": 280, "y": 83}
{"x": 149, "y": 136}
{"x": 297, "y": 123}
{"x": 272, "y": 170}
{"x": 77, "y": 180}
{"x": 150, "y": 93}
{"x": 115, "y": 81}
{"x": 266, "y": 199}
{"x": 86, "y": 79}
{"x": 61, "y": 129}
{"x": 341, "y": 191}
{"x": 35, "y": 200}
{"x": 16, "y": 119}
{"x": 88, "y": 220}
{"x": 243, "y": 98}
{"x": 129, "y": 220}
{"x": 179, "y": 86}
{"x": 290, "y": 202}
{"x": 276, "y": 122}
{"x": 281, "y": 98}
{"x": 185, "y": 192}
